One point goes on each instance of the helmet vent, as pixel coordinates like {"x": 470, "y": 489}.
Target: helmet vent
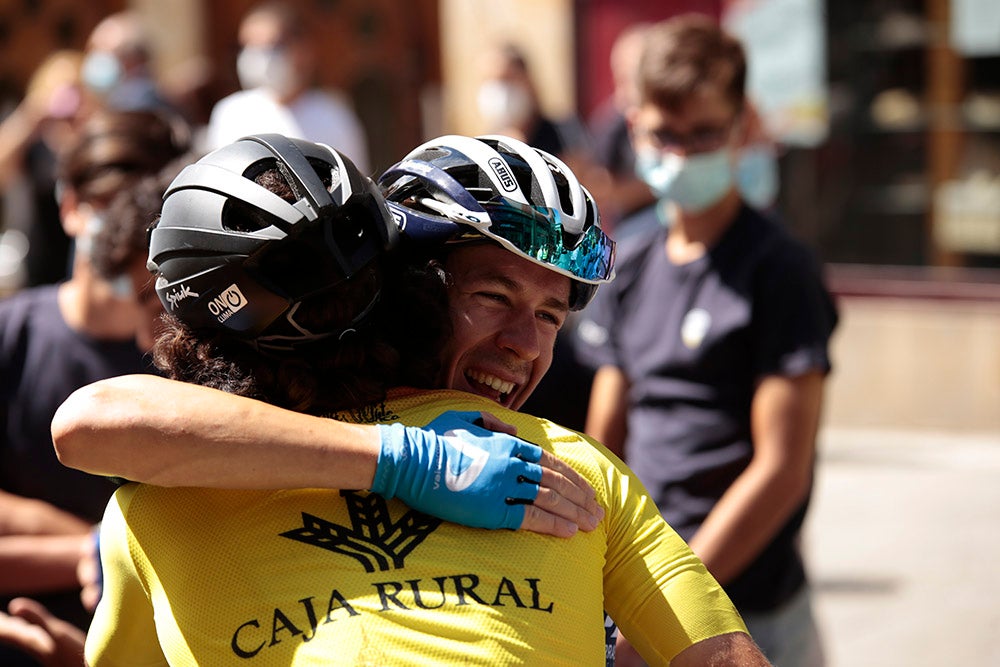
{"x": 239, "y": 217}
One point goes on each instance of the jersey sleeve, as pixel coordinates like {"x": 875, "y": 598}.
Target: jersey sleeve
{"x": 794, "y": 314}
{"x": 658, "y": 592}
{"x": 116, "y": 639}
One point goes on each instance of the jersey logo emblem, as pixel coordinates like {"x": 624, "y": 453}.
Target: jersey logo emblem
{"x": 695, "y": 327}
{"x": 464, "y": 469}
{"x": 373, "y": 539}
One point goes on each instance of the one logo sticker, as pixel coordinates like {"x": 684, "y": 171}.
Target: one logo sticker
{"x": 694, "y": 327}
{"x": 464, "y": 469}
{"x": 502, "y": 171}
{"x": 226, "y": 304}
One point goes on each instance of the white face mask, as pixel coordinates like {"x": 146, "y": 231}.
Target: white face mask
{"x": 503, "y": 104}
{"x": 84, "y": 241}
{"x": 693, "y": 182}
{"x": 101, "y": 71}
{"x": 270, "y": 68}
{"x": 757, "y": 176}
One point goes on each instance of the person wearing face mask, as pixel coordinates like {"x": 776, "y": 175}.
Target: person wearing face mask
{"x": 508, "y": 104}
{"x": 711, "y": 345}
{"x": 55, "y": 339}
{"x": 757, "y": 174}
{"x": 275, "y": 67}
{"x": 116, "y": 67}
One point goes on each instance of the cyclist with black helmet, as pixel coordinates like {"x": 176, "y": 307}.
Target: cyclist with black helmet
{"x": 402, "y": 587}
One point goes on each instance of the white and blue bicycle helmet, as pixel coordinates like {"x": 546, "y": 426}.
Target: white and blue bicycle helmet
{"x": 460, "y": 189}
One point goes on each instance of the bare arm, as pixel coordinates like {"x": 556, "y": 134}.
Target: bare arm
{"x": 784, "y": 420}
{"x": 158, "y": 431}
{"x": 52, "y": 641}
{"x": 16, "y": 131}
{"x": 31, "y": 564}
{"x": 608, "y": 408}
{"x": 148, "y": 429}
{"x": 40, "y": 546}
{"x": 30, "y": 516}
{"x": 732, "y": 650}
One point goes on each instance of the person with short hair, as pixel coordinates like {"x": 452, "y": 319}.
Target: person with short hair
{"x": 712, "y": 343}
{"x": 57, "y": 338}
{"x": 398, "y": 586}
{"x": 275, "y": 67}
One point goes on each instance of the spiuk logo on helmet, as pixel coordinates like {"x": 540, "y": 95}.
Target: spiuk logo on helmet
{"x": 179, "y": 294}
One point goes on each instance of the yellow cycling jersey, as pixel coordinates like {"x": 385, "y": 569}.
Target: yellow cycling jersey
{"x": 322, "y": 577}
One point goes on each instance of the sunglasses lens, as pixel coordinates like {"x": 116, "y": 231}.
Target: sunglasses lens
{"x": 537, "y": 233}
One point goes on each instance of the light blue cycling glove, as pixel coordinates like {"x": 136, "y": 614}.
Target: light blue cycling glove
{"x": 456, "y": 470}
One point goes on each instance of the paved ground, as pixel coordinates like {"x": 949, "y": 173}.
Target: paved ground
{"x": 903, "y": 544}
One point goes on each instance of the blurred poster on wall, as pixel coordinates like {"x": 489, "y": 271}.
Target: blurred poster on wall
{"x": 975, "y": 27}
{"x": 785, "y": 41}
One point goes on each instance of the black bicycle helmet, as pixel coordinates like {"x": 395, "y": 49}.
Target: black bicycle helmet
{"x": 457, "y": 188}
{"x": 229, "y": 254}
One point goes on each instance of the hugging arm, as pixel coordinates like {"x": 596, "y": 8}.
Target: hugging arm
{"x": 149, "y": 429}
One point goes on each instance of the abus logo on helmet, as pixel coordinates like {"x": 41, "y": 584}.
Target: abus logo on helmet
{"x": 226, "y": 304}
{"x": 502, "y": 171}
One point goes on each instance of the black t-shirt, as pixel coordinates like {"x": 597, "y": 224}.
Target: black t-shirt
{"x": 42, "y": 361}
{"x": 693, "y": 341}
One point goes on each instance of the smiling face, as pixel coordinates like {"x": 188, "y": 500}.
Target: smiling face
{"x": 506, "y": 312}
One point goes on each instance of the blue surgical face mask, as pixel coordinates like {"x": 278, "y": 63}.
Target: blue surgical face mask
{"x": 101, "y": 71}
{"x": 693, "y": 182}
{"x": 757, "y": 176}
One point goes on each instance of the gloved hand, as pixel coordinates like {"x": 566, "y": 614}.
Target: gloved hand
{"x": 458, "y": 471}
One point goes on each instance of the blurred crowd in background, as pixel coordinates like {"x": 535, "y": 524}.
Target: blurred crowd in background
{"x": 873, "y": 132}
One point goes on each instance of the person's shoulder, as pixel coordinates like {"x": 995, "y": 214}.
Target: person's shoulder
{"x": 636, "y": 238}
{"x": 327, "y": 99}
{"x": 775, "y": 243}
{"x": 241, "y": 99}
{"x": 634, "y": 232}
{"x": 29, "y": 300}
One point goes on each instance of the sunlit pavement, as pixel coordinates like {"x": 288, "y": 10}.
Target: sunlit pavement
{"x": 903, "y": 546}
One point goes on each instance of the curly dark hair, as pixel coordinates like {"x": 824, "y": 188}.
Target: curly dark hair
{"x": 397, "y": 343}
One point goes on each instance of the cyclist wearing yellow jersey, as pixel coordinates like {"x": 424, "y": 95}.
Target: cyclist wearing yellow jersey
{"x": 305, "y": 576}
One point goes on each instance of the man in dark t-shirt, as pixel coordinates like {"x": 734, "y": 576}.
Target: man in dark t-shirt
{"x": 56, "y": 339}
{"x": 711, "y": 343}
